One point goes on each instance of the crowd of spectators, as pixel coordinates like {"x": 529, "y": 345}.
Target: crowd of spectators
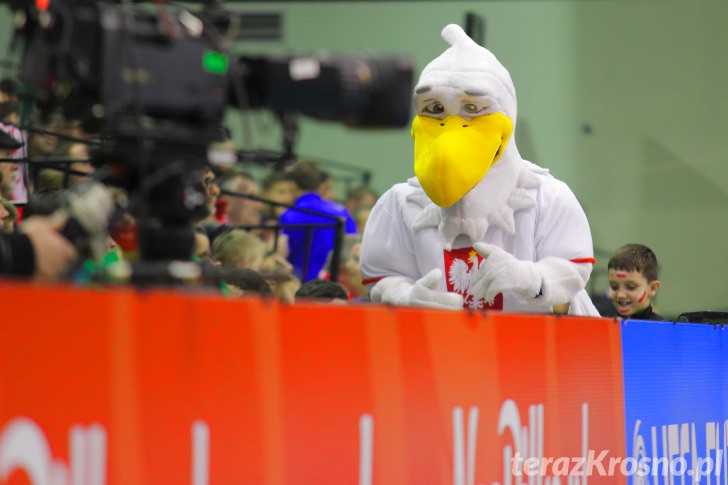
{"x": 261, "y": 228}
{"x": 259, "y": 234}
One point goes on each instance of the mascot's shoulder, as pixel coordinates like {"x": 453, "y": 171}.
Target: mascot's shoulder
{"x": 405, "y": 192}
{"x": 412, "y": 183}
{"x": 551, "y": 191}
{"x": 538, "y": 170}
{"x": 401, "y": 191}
{"x": 405, "y": 195}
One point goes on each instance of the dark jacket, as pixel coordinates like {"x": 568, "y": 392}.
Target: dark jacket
{"x": 647, "y": 314}
{"x": 16, "y": 255}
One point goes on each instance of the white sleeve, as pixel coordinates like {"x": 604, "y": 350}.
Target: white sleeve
{"x": 561, "y": 279}
{"x": 400, "y": 290}
{"x": 582, "y": 305}
{"x": 564, "y": 253}
{"x": 387, "y": 247}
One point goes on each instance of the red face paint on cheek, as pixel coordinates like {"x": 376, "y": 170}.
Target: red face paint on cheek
{"x": 642, "y": 298}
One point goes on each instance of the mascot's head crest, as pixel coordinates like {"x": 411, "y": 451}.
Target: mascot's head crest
{"x": 468, "y": 66}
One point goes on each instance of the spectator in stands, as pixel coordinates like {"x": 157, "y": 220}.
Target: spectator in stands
{"x": 322, "y": 290}
{"x": 278, "y": 187}
{"x": 326, "y": 187}
{"x": 73, "y": 127}
{"x": 207, "y": 228}
{"x": 79, "y": 152}
{"x": 239, "y": 249}
{"x": 43, "y": 144}
{"x": 245, "y": 281}
{"x": 359, "y": 203}
{"x": 124, "y": 228}
{"x": 202, "y": 249}
{"x": 361, "y": 216}
{"x": 307, "y": 177}
{"x": 15, "y": 187}
{"x": 10, "y": 112}
{"x": 278, "y": 272}
{"x": 211, "y": 190}
{"x": 349, "y": 271}
{"x": 239, "y": 210}
{"x": 226, "y": 180}
{"x": 8, "y": 170}
{"x": 633, "y": 282}
{"x": 8, "y": 214}
{"x": 360, "y": 196}
{"x": 8, "y": 91}
{"x": 9, "y": 102}
{"x": 50, "y": 179}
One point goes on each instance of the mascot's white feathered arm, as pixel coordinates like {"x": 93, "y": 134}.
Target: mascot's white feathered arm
{"x": 562, "y": 261}
{"x": 400, "y": 290}
{"x": 387, "y": 251}
{"x": 551, "y": 280}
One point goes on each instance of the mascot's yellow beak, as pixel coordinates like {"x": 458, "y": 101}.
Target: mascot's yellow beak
{"x": 452, "y": 155}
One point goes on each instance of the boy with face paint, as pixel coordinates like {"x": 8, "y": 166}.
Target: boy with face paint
{"x": 633, "y": 282}
{"x": 479, "y": 227}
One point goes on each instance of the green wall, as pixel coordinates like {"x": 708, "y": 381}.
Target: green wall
{"x": 625, "y": 100}
{"x": 652, "y": 82}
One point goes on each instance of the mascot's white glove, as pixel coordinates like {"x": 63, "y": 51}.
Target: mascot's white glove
{"x": 500, "y": 272}
{"x": 400, "y": 290}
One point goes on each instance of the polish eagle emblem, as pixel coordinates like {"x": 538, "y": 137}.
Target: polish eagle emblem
{"x": 461, "y": 265}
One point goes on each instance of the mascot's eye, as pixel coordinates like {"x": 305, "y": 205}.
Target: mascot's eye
{"x": 434, "y": 108}
{"x": 472, "y": 108}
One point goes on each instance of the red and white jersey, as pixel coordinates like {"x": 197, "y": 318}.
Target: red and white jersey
{"x": 555, "y": 226}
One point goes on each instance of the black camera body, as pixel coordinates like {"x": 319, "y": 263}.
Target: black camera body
{"x": 110, "y": 64}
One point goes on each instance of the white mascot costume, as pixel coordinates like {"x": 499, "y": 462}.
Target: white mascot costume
{"x": 479, "y": 227}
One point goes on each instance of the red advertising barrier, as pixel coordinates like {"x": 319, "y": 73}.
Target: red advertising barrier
{"x": 133, "y": 387}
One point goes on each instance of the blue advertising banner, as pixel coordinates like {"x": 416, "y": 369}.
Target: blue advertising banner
{"x": 676, "y": 403}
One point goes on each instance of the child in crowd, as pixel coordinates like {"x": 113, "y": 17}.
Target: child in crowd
{"x": 245, "y": 281}
{"x": 633, "y": 282}
{"x": 239, "y": 249}
{"x": 322, "y": 290}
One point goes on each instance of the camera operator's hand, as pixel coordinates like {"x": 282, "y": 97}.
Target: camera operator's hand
{"x": 53, "y": 252}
